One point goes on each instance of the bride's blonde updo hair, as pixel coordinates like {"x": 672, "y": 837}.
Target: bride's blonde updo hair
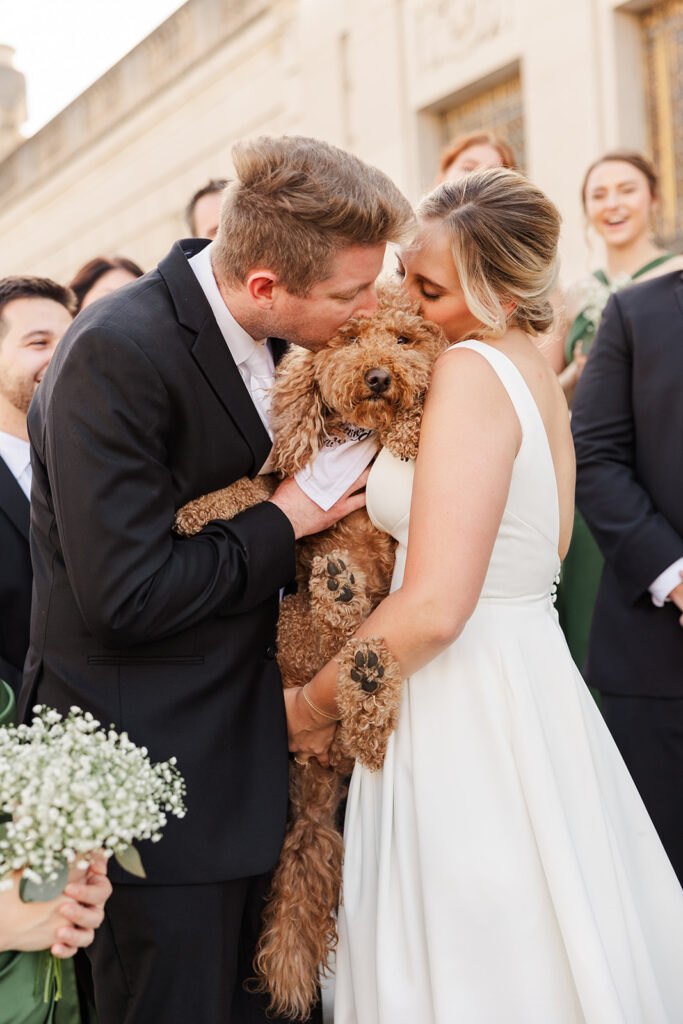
{"x": 503, "y": 234}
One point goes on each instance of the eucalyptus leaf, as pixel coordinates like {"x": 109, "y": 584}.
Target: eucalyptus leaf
{"x": 129, "y": 860}
{"x": 41, "y": 892}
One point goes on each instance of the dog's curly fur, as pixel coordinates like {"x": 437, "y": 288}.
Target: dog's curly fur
{"x": 342, "y": 574}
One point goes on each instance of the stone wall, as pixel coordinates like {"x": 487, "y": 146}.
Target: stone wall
{"x": 113, "y": 172}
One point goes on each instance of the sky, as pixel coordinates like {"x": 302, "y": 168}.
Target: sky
{"x": 63, "y": 46}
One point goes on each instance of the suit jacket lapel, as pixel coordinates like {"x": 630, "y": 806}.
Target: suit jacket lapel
{"x": 210, "y": 351}
{"x": 13, "y": 500}
{"x": 213, "y": 357}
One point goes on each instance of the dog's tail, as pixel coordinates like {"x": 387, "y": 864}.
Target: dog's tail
{"x": 299, "y": 923}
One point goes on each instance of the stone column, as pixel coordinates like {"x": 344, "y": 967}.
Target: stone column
{"x": 12, "y": 102}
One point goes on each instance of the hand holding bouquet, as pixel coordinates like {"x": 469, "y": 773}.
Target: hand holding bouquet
{"x": 68, "y": 789}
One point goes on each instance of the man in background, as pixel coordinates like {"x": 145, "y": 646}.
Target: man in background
{"x": 627, "y": 421}
{"x": 34, "y": 314}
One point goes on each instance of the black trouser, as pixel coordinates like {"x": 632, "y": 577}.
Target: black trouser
{"x": 180, "y": 954}
{"x": 649, "y": 734}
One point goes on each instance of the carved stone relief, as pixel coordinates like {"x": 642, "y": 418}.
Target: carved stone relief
{"x": 445, "y": 29}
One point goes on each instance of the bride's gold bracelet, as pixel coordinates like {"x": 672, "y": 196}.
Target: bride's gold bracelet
{"x": 317, "y": 710}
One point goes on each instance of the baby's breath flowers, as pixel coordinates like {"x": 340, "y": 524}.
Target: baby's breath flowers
{"x": 68, "y": 788}
{"x": 593, "y": 294}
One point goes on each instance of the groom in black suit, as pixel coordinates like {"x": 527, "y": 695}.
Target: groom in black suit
{"x": 627, "y": 421}
{"x": 158, "y": 394}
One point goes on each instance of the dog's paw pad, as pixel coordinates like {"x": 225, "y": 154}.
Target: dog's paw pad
{"x": 368, "y": 671}
{"x": 340, "y": 580}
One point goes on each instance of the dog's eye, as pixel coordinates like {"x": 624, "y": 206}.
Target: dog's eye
{"x": 352, "y": 341}
{"x": 402, "y": 340}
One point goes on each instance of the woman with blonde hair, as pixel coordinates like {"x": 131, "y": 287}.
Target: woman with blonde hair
{"x": 501, "y": 865}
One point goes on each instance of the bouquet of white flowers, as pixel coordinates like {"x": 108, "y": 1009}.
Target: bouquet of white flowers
{"x": 593, "y": 295}
{"x": 69, "y": 787}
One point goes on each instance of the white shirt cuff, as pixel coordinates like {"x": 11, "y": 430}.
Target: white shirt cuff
{"x": 665, "y": 583}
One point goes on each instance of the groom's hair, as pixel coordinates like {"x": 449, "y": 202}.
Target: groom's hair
{"x": 294, "y": 203}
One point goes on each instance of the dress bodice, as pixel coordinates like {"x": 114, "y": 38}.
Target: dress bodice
{"x": 524, "y": 561}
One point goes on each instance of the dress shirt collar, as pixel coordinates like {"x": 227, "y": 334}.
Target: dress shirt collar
{"x": 16, "y": 452}
{"x": 240, "y": 343}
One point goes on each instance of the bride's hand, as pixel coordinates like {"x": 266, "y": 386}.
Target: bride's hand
{"x": 310, "y": 735}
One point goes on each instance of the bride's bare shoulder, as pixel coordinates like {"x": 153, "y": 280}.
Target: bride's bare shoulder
{"x": 467, "y": 369}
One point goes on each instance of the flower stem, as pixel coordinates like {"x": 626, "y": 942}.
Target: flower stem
{"x": 49, "y": 977}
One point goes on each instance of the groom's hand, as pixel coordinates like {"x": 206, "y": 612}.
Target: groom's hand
{"x": 305, "y": 516}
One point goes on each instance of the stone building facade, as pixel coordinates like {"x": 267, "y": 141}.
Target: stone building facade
{"x": 391, "y": 80}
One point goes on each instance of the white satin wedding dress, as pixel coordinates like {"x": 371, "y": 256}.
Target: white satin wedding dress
{"x": 501, "y": 868}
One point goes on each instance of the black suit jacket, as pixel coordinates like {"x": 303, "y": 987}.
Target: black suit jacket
{"x": 169, "y": 638}
{"x": 15, "y": 578}
{"x": 627, "y": 422}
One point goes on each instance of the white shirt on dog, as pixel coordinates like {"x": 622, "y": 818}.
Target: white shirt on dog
{"x": 340, "y": 461}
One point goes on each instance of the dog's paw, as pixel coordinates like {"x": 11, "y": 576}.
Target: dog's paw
{"x": 340, "y": 581}
{"x": 367, "y": 670}
{"x": 338, "y": 593}
{"x": 402, "y": 436}
{"x": 369, "y": 695}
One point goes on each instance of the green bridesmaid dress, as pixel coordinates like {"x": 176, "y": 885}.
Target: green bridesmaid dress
{"x": 18, "y": 1003}
{"x": 582, "y": 568}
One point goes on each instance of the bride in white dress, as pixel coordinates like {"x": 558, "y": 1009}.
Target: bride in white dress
{"x": 501, "y": 867}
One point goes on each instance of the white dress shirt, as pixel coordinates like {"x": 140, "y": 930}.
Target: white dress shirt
{"x": 339, "y": 462}
{"x": 17, "y": 454}
{"x": 253, "y": 359}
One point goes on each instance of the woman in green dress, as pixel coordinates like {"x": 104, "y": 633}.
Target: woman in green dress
{"x": 619, "y": 195}
{"x": 62, "y": 925}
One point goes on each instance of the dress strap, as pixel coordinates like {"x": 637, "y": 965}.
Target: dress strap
{"x": 513, "y": 382}
{"x": 534, "y": 452}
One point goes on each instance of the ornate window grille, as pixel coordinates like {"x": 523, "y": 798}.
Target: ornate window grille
{"x": 662, "y": 33}
{"x": 497, "y": 109}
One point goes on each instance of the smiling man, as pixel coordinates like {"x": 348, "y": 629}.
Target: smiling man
{"x": 34, "y": 314}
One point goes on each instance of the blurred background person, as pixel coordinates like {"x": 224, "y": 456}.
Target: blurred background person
{"x": 34, "y": 314}
{"x": 475, "y": 151}
{"x": 619, "y": 196}
{"x": 203, "y": 210}
{"x": 102, "y": 275}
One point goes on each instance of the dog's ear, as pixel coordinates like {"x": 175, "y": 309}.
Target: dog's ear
{"x": 297, "y": 411}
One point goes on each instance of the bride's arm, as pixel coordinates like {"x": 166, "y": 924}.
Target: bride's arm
{"x": 469, "y": 439}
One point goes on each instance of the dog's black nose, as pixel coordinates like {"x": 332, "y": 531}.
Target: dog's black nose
{"x": 378, "y": 380}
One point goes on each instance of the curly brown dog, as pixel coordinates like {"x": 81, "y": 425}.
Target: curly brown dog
{"x": 373, "y": 374}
